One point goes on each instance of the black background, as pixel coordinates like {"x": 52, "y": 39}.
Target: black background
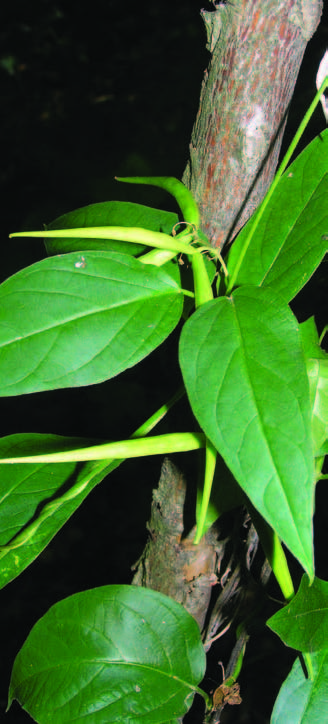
{"x": 89, "y": 91}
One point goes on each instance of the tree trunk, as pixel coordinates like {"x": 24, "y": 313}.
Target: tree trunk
{"x": 257, "y": 47}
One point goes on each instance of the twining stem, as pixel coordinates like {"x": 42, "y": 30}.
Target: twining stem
{"x": 257, "y": 218}
{"x": 173, "y": 186}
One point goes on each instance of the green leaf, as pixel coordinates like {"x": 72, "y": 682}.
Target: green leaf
{"x": 109, "y": 213}
{"x": 301, "y": 700}
{"x": 303, "y": 623}
{"x": 80, "y": 319}
{"x": 318, "y": 378}
{"x": 317, "y": 369}
{"x": 310, "y": 340}
{"x": 111, "y": 654}
{"x": 37, "y": 499}
{"x": 291, "y": 238}
{"x": 245, "y": 375}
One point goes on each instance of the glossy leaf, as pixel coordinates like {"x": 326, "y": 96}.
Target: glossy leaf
{"x": 303, "y": 623}
{"x": 303, "y": 700}
{"x": 318, "y": 378}
{"x": 37, "y": 499}
{"x": 310, "y": 340}
{"x": 317, "y": 369}
{"x": 245, "y": 375}
{"x": 111, "y": 654}
{"x": 291, "y": 237}
{"x": 80, "y": 319}
{"x": 109, "y": 213}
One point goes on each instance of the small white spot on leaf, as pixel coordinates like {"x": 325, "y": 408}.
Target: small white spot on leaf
{"x": 81, "y": 264}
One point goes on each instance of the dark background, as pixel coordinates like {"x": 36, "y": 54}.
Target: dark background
{"x": 88, "y": 92}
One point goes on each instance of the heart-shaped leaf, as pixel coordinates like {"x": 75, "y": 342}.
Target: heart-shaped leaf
{"x": 111, "y": 654}
{"x": 245, "y": 375}
{"x": 303, "y": 700}
{"x": 80, "y": 319}
{"x": 303, "y": 623}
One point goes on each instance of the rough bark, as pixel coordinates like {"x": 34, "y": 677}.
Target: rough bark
{"x": 174, "y": 566}
{"x": 212, "y": 579}
{"x": 257, "y": 47}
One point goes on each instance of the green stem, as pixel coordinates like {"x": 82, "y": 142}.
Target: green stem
{"x": 309, "y": 666}
{"x": 173, "y": 186}
{"x": 279, "y": 565}
{"x": 202, "y": 285}
{"x": 152, "y": 421}
{"x": 323, "y": 333}
{"x": 133, "y": 448}
{"x": 203, "y": 294}
{"x": 238, "y": 655}
{"x": 281, "y": 169}
{"x": 210, "y": 462}
{"x": 157, "y": 257}
{"x": 206, "y": 697}
{"x": 119, "y": 233}
{"x": 274, "y": 552}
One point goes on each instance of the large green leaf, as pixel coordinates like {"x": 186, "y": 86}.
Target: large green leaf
{"x": 37, "y": 499}
{"x": 245, "y": 375}
{"x": 111, "y": 654}
{"x": 303, "y": 623}
{"x": 79, "y": 319}
{"x": 291, "y": 237}
{"x": 109, "y": 213}
{"x": 303, "y": 700}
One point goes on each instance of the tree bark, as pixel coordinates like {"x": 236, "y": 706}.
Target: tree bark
{"x": 257, "y": 47}
{"x": 212, "y": 580}
{"x": 174, "y": 566}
